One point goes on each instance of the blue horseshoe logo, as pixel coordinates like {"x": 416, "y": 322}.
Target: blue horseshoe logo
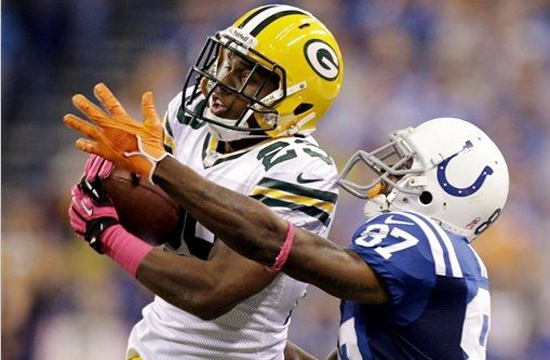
{"x": 461, "y": 192}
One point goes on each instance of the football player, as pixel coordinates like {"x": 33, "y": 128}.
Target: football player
{"x": 411, "y": 284}
{"x": 243, "y": 121}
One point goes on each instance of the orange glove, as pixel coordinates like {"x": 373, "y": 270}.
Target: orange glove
{"x": 129, "y": 144}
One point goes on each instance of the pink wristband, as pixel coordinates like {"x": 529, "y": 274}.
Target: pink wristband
{"x": 124, "y": 248}
{"x": 280, "y": 260}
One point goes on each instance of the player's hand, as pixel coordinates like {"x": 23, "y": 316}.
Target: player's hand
{"x": 89, "y": 215}
{"x": 96, "y": 166}
{"x": 131, "y": 145}
{"x": 95, "y": 170}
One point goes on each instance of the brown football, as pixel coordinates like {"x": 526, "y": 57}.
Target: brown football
{"x": 144, "y": 209}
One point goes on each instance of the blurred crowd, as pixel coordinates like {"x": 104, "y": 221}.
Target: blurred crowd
{"x": 406, "y": 61}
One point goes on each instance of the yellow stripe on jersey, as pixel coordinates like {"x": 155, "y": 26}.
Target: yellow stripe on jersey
{"x": 169, "y": 142}
{"x": 313, "y": 202}
{"x": 283, "y": 195}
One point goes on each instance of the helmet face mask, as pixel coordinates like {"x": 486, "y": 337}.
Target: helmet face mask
{"x": 294, "y": 73}
{"x": 387, "y": 164}
{"x": 446, "y": 169}
{"x": 208, "y": 73}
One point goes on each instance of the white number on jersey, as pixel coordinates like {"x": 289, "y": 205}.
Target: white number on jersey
{"x": 476, "y": 325}
{"x": 378, "y": 232}
{"x": 347, "y": 340}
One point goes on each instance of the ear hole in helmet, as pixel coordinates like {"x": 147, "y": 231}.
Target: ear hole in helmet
{"x": 426, "y": 197}
{"x": 303, "y": 26}
{"x": 302, "y": 108}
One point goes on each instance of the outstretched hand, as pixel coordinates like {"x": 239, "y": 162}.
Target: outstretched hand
{"x": 129, "y": 144}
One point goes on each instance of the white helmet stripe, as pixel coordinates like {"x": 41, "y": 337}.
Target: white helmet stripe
{"x": 255, "y": 13}
{"x": 255, "y": 24}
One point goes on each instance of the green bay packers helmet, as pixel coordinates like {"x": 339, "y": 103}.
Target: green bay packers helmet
{"x": 280, "y": 42}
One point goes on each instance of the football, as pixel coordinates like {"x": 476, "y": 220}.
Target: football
{"x": 144, "y": 209}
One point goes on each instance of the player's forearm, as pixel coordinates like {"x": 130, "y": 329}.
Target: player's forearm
{"x": 294, "y": 352}
{"x": 253, "y": 230}
{"x": 184, "y": 282}
{"x": 245, "y": 225}
{"x": 333, "y": 355}
{"x": 337, "y": 271}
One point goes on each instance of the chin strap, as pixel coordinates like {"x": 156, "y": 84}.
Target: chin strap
{"x": 228, "y": 135}
{"x": 375, "y": 206}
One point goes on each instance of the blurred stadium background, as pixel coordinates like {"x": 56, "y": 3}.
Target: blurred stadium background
{"x": 406, "y": 61}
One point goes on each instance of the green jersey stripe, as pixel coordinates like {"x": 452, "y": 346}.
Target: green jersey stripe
{"x": 168, "y": 128}
{"x": 221, "y": 157}
{"x": 192, "y": 121}
{"x": 298, "y": 190}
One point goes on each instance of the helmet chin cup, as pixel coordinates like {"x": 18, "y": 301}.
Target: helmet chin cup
{"x": 227, "y": 133}
{"x": 375, "y": 206}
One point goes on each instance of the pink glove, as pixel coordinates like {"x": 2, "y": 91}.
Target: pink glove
{"x": 98, "y": 225}
{"x": 96, "y": 169}
{"x": 97, "y": 166}
{"x": 94, "y": 218}
{"x": 88, "y": 218}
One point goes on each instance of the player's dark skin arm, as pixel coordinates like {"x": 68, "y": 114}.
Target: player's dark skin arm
{"x": 257, "y": 233}
{"x": 213, "y": 287}
{"x": 333, "y": 355}
{"x": 207, "y": 289}
{"x": 294, "y": 352}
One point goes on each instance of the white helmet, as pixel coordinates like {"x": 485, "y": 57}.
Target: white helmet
{"x": 447, "y": 169}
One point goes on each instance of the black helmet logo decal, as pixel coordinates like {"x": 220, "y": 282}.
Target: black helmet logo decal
{"x": 322, "y": 59}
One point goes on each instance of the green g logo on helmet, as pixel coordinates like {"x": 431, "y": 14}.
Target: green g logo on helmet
{"x": 322, "y": 59}
{"x": 291, "y": 48}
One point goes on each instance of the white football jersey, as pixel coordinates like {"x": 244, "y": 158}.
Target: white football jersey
{"x": 291, "y": 175}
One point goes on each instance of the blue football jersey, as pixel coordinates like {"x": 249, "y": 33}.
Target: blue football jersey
{"x": 440, "y": 303}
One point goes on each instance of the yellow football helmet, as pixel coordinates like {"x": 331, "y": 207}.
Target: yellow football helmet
{"x": 280, "y": 42}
